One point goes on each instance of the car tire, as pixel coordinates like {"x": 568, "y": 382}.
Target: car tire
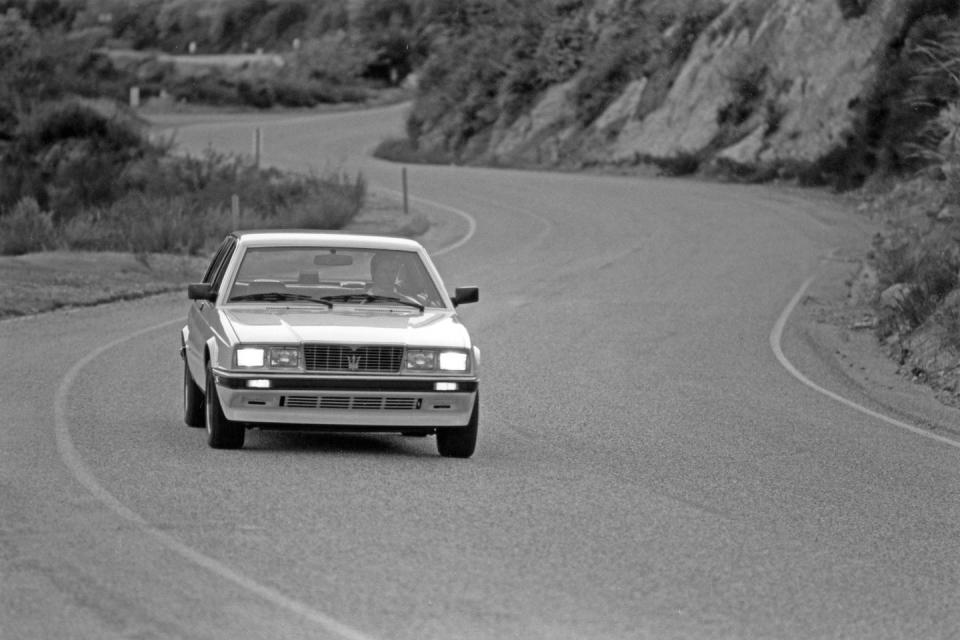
{"x": 221, "y": 433}
{"x": 192, "y": 400}
{"x": 460, "y": 442}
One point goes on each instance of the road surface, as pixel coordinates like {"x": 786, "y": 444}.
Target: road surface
{"x": 647, "y": 466}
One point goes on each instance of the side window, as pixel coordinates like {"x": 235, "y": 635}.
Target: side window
{"x": 217, "y": 262}
{"x": 222, "y": 267}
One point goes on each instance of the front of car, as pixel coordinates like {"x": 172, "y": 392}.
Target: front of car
{"x": 334, "y": 332}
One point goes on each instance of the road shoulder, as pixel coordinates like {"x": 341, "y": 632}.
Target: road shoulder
{"x": 830, "y": 339}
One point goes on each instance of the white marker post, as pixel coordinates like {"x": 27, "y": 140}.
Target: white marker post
{"x": 235, "y": 209}
{"x": 406, "y": 206}
{"x": 257, "y": 147}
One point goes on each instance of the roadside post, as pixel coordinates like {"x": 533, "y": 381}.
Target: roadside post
{"x": 235, "y": 210}
{"x": 406, "y": 205}
{"x": 257, "y": 146}
{"x": 134, "y": 97}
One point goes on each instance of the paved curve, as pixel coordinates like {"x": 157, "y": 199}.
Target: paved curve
{"x": 647, "y": 468}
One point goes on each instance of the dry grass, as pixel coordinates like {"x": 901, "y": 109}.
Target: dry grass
{"x": 48, "y": 280}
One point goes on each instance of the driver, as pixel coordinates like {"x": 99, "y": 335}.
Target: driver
{"x": 390, "y": 275}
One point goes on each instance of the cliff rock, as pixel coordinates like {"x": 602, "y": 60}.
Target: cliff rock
{"x": 758, "y": 85}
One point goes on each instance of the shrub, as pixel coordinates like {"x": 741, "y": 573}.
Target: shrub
{"x": 27, "y": 228}
{"x": 853, "y": 8}
{"x": 683, "y": 164}
{"x": 64, "y": 120}
{"x": 256, "y": 93}
{"x": 406, "y": 150}
{"x": 605, "y": 76}
{"x": 213, "y": 89}
{"x": 68, "y": 156}
{"x": 293, "y": 94}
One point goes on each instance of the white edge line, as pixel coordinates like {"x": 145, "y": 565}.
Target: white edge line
{"x": 776, "y": 336}
{"x": 471, "y": 221}
{"x": 73, "y": 461}
{"x": 82, "y": 473}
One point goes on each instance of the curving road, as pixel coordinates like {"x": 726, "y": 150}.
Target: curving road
{"x": 647, "y": 466}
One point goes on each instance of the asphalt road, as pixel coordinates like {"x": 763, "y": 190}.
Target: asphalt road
{"x": 647, "y": 467}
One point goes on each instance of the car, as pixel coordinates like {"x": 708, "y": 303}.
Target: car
{"x": 327, "y": 331}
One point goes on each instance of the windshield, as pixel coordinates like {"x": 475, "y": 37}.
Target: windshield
{"x": 365, "y": 276}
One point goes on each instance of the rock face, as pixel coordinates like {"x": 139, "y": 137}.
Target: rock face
{"x": 765, "y": 84}
{"x": 778, "y": 89}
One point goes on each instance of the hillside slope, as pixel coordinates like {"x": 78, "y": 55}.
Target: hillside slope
{"x": 758, "y": 87}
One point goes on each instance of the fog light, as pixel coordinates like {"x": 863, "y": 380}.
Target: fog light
{"x": 445, "y": 386}
{"x": 258, "y": 384}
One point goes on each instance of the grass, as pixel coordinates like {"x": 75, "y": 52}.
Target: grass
{"x": 146, "y": 219}
{"x": 44, "y": 281}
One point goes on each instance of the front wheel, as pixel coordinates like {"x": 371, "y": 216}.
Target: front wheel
{"x": 221, "y": 433}
{"x": 460, "y": 442}
{"x": 192, "y": 399}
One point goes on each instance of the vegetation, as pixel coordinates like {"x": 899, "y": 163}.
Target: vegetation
{"x": 329, "y": 55}
{"x": 93, "y": 183}
{"x": 489, "y": 60}
{"x": 76, "y": 175}
{"x": 918, "y": 255}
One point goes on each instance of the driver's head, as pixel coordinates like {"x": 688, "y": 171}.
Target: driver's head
{"x": 384, "y": 269}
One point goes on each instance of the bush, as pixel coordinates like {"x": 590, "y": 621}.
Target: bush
{"x": 142, "y": 224}
{"x": 68, "y": 156}
{"x": 213, "y": 89}
{"x": 604, "y": 77}
{"x": 64, "y": 120}
{"x": 257, "y": 93}
{"x": 27, "y": 228}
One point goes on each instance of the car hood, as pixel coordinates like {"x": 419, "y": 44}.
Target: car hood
{"x": 347, "y": 325}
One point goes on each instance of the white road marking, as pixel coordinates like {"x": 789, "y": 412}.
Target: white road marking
{"x": 776, "y": 336}
{"x": 471, "y": 221}
{"x": 82, "y": 473}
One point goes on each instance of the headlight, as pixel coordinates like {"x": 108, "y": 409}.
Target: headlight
{"x": 284, "y": 357}
{"x": 250, "y": 357}
{"x": 421, "y": 360}
{"x": 269, "y": 357}
{"x": 436, "y": 360}
{"x": 453, "y": 361}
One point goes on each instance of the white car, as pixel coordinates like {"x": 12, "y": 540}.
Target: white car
{"x": 296, "y": 330}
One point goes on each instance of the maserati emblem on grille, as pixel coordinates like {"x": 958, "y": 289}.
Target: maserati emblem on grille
{"x": 353, "y": 362}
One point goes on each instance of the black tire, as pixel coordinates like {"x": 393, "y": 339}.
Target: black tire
{"x": 221, "y": 433}
{"x": 192, "y": 400}
{"x": 460, "y": 442}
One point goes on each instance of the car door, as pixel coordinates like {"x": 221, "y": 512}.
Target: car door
{"x": 202, "y": 318}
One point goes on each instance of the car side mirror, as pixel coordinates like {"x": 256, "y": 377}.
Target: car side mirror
{"x": 465, "y": 295}
{"x": 201, "y": 291}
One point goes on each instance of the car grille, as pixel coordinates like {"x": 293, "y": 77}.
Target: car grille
{"x": 368, "y": 359}
{"x": 371, "y": 403}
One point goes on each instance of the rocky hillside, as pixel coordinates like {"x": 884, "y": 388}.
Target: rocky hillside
{"x": 816, "y": 90}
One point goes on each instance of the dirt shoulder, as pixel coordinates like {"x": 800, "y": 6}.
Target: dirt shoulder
{"x": 830, "y": 339}
{"x": 45, "y": 281}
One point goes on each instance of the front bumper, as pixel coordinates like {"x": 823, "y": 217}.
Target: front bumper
{"x": 363, "y": 403}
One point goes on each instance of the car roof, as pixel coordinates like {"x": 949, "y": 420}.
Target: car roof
{"x": 312, "y": 238}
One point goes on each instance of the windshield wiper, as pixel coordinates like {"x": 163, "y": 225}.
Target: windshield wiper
{"x": 370, "y": 297}
{"x": 278, "y": 296}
